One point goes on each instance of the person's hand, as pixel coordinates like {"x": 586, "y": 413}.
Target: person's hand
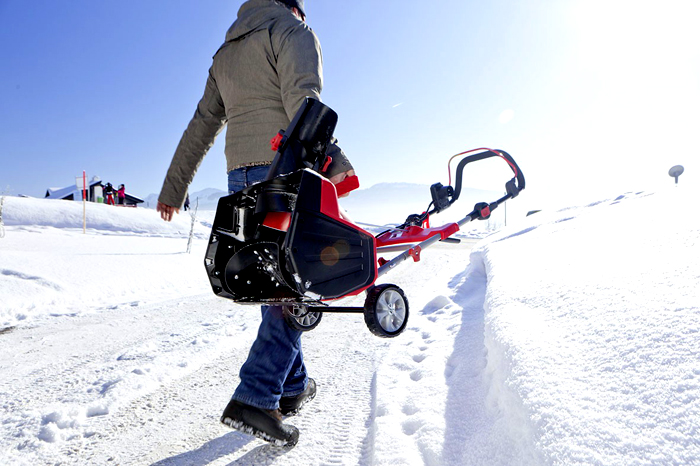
{"x": 166, "y": 211}
{"x": 335, "y": 179}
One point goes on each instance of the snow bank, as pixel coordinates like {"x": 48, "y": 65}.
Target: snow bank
{"x": 592, "y": 318}
{"x": 54, "y": 213}
{"x": 49, "y": 268}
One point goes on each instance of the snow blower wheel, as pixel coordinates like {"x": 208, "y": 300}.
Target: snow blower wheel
{"x": 301, "y": 319}
{"x": 386, "y": 310}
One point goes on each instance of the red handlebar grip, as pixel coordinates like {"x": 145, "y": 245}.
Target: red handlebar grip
{"x": 347, "y": 185}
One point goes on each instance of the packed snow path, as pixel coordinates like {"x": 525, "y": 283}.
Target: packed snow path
{"x": 138, "y": 384}
{"x": 570, "y": 337}
{"x": 145, "y": 383}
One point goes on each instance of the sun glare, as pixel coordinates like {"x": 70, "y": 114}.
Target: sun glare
{"x": 506, "y": 116}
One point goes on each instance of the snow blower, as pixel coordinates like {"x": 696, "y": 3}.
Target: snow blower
{"x": 285, "y": 242}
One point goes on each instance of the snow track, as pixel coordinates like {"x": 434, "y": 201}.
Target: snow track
{"x": 172, "y": 412}
{"x": 68, "y": 386}
{"x": 140, "y": 394}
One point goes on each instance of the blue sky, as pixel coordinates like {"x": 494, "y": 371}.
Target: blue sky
{"x": 592, "y": 98}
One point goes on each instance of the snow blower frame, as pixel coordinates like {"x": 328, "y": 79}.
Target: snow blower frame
{"x": 285, "y": 242}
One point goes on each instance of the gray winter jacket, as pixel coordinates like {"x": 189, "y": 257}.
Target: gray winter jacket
{"x": 269, "y": 62}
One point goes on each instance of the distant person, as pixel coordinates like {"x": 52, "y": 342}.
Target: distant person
{"x": 268, "y": 65}
{"x": 109, "y": 194}
{"x": 121, "y": 195}
{"x": 187, "y": 202}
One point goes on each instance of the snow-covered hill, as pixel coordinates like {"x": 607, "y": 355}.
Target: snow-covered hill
{"x": 570, "y": 337}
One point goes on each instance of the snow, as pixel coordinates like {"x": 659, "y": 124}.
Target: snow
{"x": 569, "y": 337}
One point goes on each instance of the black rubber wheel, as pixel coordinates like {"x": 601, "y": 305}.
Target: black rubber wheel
{"x": 386, "y": 310}
{"x": 301, "y": 319}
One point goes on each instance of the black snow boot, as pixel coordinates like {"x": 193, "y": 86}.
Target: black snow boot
{"x": 290, "y": 405}
{"x": 262, "y": 423}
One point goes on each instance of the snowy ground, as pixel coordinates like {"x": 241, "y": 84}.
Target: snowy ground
{"x": 569, "y": 338}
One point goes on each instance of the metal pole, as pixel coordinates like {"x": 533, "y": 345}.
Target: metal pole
{"x": 2, "y": 225}
{"x": 407, "y": 253}
{"x": 416, "y": 249}
{"x": 84, "y": 214}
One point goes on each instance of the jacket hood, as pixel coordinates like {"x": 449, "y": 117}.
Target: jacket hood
{"x": 254, "y": 15}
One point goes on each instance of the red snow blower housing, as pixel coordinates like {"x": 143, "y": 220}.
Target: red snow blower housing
{"x": 285, "y": 242}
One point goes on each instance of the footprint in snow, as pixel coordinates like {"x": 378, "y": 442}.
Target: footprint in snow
{"x": 411, "y": 426}
{"x": 436, "y": 304}
{"x": 409, "y": 409}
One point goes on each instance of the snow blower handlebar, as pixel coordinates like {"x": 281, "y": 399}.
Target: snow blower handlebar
{"x": 483, "y": 210}
{"x": 444, "y": 197}
{"x": 450, "y": 195}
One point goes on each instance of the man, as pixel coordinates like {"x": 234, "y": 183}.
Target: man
{"x": 269, "y": 63}
{"x": 109, "y": 194}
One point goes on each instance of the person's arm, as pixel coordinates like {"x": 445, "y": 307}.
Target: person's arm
{"x": 166, "y": 211}
{"x": 300, "y": 68}
{"x": 208, "y": 121}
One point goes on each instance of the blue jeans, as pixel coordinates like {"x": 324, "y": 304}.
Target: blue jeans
{"x": 275, "y": 364}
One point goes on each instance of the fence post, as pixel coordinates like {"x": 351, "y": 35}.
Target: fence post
{"x": 193, "y": 215}
{"x": 84, "y": 213}
{"x": 2, "y": 225}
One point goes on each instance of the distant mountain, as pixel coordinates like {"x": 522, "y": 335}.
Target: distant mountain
{"x": 208, "y": 198}
{"x": 150, "y": 201}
